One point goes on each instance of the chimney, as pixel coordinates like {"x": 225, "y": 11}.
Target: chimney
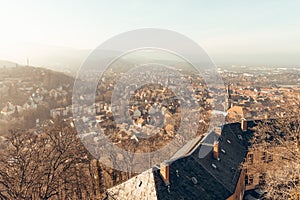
{"x": 216, "y": 150}
{"x": 244, "y": 124}
{"x": 165, "y": 172}
{"x": 218, "y": 130}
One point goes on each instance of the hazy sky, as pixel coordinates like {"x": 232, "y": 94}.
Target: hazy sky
{"x": 259, "y": 31}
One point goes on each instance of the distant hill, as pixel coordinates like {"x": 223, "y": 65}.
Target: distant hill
{"x": 19, "y": 84}
{"x": 37, "y": 76}
{"x": 5, "y": 63}
{"x": 16, "y": 77}
{"x": 64, "y": 59}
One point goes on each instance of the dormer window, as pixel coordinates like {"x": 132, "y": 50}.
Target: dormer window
{"x": 264, "y": 155}
{"x": 249, "y": 179}
{"x": 240, "y": 137}
{"x": 250, "y": 158}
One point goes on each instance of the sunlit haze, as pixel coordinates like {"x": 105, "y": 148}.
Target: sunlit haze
{"x": 232, "y": 32}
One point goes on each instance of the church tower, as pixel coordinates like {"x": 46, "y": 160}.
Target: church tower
{"x": 228, "y": 96}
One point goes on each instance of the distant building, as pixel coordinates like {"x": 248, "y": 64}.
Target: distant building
{"x": 59, "y": 112}
{"x": 9, "y": 109}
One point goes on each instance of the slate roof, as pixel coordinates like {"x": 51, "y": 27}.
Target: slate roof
{"x": 195, "y": 174}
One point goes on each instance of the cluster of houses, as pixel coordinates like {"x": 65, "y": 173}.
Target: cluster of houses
{"x": 35, "y": 98}
{"x": 264, "y": 103}
{"x": 258, "y": 93}
{"x": 31, "y": 104}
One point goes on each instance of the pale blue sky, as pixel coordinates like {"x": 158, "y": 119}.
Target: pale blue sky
{"x": 226, "y": 29}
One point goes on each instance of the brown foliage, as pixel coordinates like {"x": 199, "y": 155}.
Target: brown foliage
{"x": 279, "y": 140}
{"x": 51, "y": 165}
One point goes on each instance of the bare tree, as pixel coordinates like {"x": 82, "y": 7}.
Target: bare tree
{"x": 42, "y": 166}
{"x": 52, "y": 165}
{"x": 276, "y": 156}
